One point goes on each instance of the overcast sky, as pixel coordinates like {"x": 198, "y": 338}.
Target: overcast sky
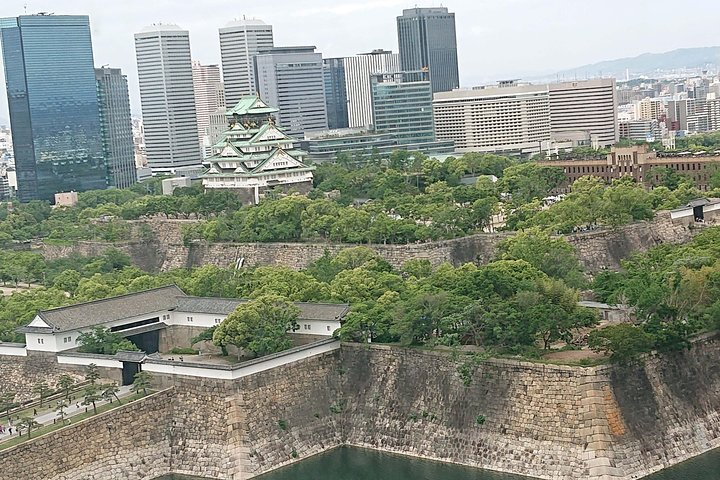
{"x": 496, "y": 38}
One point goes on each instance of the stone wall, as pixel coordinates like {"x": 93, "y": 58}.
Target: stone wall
{"x": 596, "y": 249}
{"x": 237, "y": 430}
{"x": 602, "y": 423}
{"x": 20, "y": 374}
{"x": 130, "y": 442}
{"x": 547, "y": 421}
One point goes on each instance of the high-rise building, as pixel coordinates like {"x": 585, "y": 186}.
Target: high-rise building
{"x": 209, "y": 97}
{"x": 240, "y": 41}
{"x": 291, "y": 78}
{"x": 357, "y": 78}
{"x": 116, "y": 126}
{"x": 427, "y": 40}
{"x": 336, "y": 101}
{"x": 519, "y": 118}
{"x": 53, "y": 103}
{"x": 402, "y": 104}
{"x": 167, "y": 97}
{"x": 588, "y": 106}
{"x": 514, "y": 118}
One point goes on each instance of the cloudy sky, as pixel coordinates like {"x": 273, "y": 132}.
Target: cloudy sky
{"x": 496, "y": 38}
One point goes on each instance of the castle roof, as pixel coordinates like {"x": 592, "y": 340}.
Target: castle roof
{"x": 251, "y": 105}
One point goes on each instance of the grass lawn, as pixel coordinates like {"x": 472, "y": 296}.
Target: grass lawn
{"x": 70, "y": 420}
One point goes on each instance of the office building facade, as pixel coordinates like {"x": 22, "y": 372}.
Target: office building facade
{"x": 240, "y": 41}
{"x": 427, "y": 40}
{"x": 402, "y": 104}
{"x": 53, "y": 104}
{"x": 291, "y": 78}
{"x": 209, "y": 97}
{"x": 588, "y": 106}
{"x": 116, "y": 126}
{"x": 358, "y": 69}
{"x": 167, "y": 97}
{"x": 510, "y": 119}
{"x": 517, "y": 118}
{"x": 336, "y": 100}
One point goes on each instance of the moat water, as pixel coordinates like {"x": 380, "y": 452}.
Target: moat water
{"x": 360, "y": 464}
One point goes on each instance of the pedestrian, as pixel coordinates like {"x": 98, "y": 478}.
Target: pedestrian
{"x": 35, "y": 412}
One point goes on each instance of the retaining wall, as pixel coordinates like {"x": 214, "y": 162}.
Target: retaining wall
{"x": 596, "y": 250}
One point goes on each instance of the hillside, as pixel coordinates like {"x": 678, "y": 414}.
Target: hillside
{"x": 649, "y": 63}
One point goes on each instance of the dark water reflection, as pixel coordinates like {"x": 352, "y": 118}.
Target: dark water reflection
{"x": 359, "y": 464}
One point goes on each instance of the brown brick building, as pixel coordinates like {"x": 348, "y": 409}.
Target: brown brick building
{"x": 637, "y": 162}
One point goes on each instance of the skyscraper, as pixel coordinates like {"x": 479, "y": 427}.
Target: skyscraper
{"x": 167, "y": 97}
{"x": 402, "y": 104}
{"x": 357, "y": 78}
{"x": 240, "y": 41}
{"x": 52, "y": 98}
{"x": 116, "y": 126}
{"x": 209, "y": 97}
{"x": 335, "y": 92}
{"x": 291, "y": 78}
{"x": 426, "y": 38}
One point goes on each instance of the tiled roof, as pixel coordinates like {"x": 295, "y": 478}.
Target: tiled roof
{"x": 112, "y": 309}
{"x": 251, "y": 105}
{"x": 225, "y": 306}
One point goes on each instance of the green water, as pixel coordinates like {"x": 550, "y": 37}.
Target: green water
{"x": 359, "y": 464}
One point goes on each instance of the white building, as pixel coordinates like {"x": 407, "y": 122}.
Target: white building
{"x": 357, "y": 80}
{"x": 136, "y": 314}
{"x": 514, "y": 118}
{"x": 167, "y": 97}
{"x": 209, "y": 97}
{"x": 519, "y": 118}
{"x": 588, "y": 106}
{"x": 240, "y": 41}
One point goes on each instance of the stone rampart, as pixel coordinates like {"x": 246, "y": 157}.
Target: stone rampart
{"x": 596, "y": 250}
{"x": 20, "y": 374}
{"x": 547, "y": 421}
{"x": 130, "y": 442}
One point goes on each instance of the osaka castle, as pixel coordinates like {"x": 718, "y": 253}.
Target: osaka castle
{"x": 254, "y": 155}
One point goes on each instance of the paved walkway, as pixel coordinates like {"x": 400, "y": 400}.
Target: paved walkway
{"x": 47, "y": 418}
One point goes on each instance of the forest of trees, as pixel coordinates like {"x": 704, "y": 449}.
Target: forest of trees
{"x": 408, "y": 198}
{"x": 521, "y": 303}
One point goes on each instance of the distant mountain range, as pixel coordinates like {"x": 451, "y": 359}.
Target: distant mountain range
{"x": 648, "y": 64}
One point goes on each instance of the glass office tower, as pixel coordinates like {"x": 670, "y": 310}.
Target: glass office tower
{"x": 52, "y": 98}
{"x": 427, "y": 41}
{"x": 402, "y": 104}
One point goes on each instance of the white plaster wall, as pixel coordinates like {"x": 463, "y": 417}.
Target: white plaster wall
{"x": 256, "y": 367}
{"x": 13, "y": 350}
{"x": 70, "y": 359}
{"x": 318, "y": 327}
{"x": 41, "y": 342}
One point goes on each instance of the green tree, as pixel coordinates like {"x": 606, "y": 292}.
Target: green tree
{"x": 624, "y": 342}
{"x": 42, "y": 390}
{"x": 109, "y": 391}
{"x": 92, "y": 374}
{"x": 7, "y": 402}
{"x": 554, "y": 256}
{"x": 142, "y": 382}
{"x": 60, "y": 410}
{"x": 259, "y": 326}
{"x": 68, "y": 281}
{"x": 28, "y": 423}
{"x": 101, "y": 340}
{"x": 91, "y": 396}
